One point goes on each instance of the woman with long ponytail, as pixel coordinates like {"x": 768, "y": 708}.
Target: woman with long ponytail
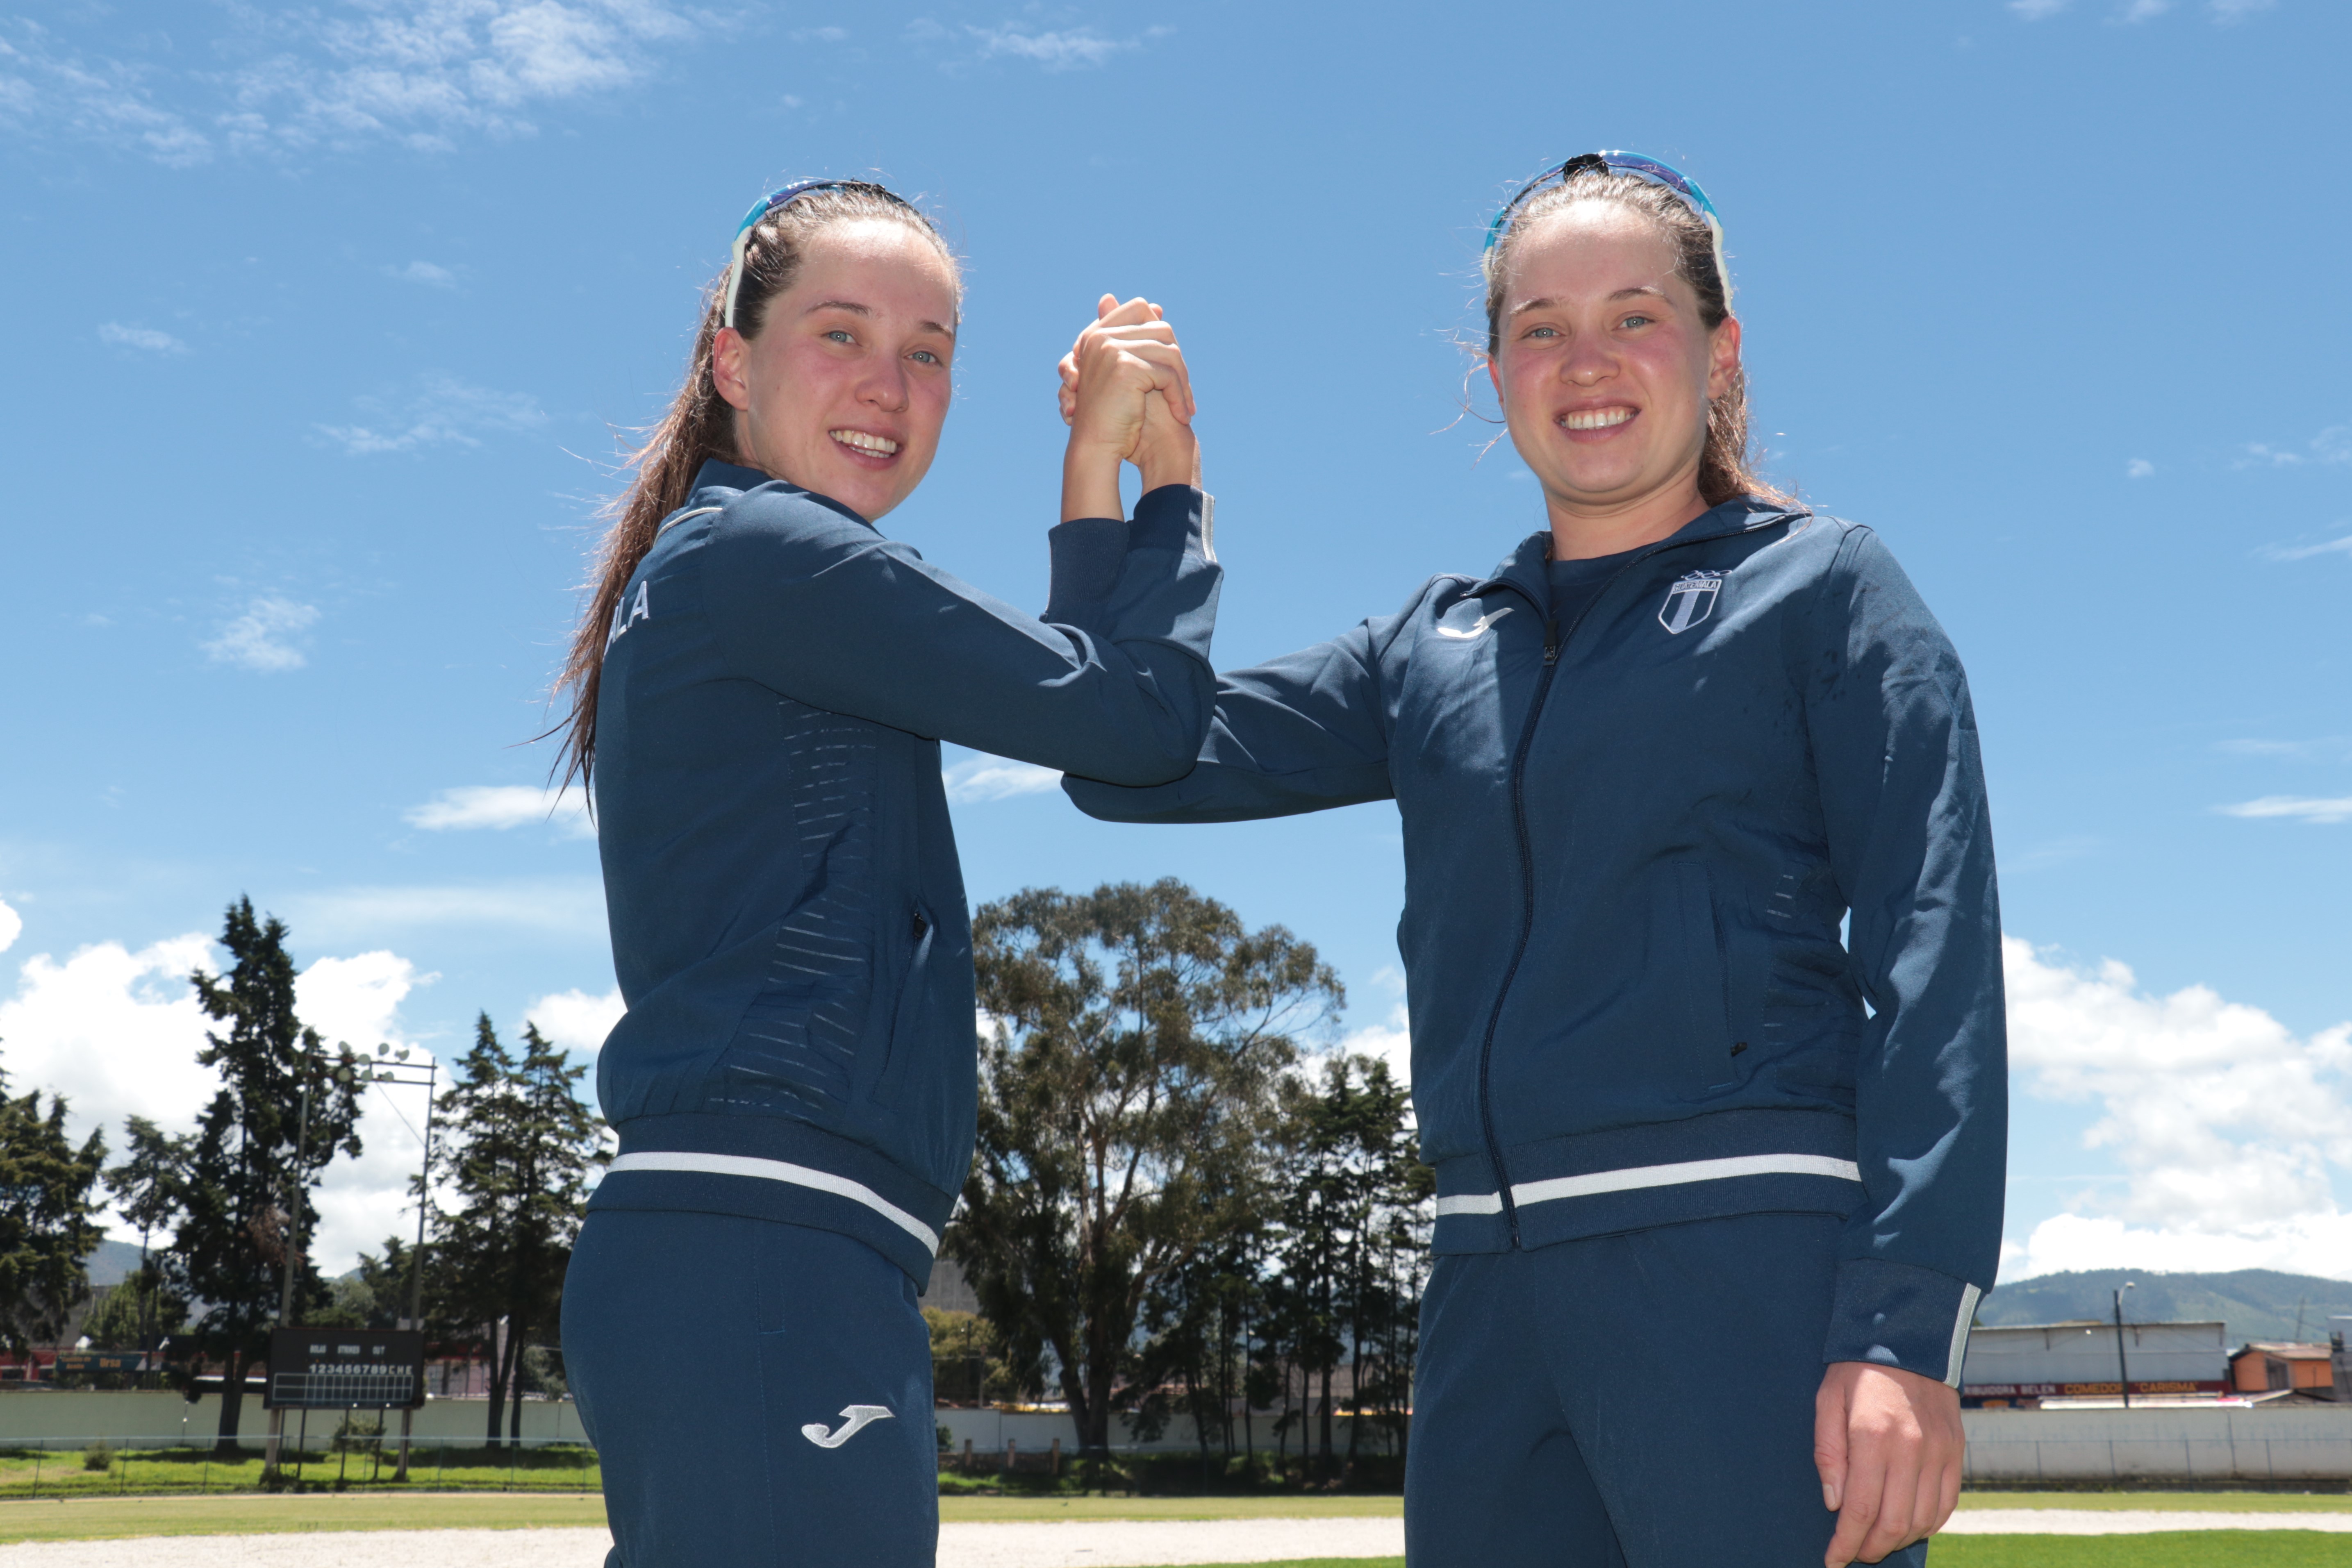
{"x": 757, "y": 694}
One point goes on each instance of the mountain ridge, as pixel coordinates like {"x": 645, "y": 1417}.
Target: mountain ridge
{"x": 2255, "y": 1304}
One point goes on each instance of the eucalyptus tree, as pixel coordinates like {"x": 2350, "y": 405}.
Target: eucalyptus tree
{"x": 1129, "y": 1090}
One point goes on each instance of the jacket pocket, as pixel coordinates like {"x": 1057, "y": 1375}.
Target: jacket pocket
{"x": 911, "y": 1012}
{"x": 1708, "y": 1048}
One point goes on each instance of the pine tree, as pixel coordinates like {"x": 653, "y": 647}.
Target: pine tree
{"x": 246, "y": 1192}
{"x": 47, "y": 1217}
{"x": 521, "y": 1145}
{"x": 1349, "y": 1255}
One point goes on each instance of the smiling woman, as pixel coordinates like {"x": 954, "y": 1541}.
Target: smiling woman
{"x": 1646, "y": 768}
{"x": 760, "y": 689}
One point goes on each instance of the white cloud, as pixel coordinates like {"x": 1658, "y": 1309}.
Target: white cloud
{"x": 1063, "y": 50}
{"x": 444, "y": 411}
{"x": 1390, "y": 1041}
{"x": 2138, "y": 468}
{"x": 822, "y": 35}
{"x": 114, "y": 1031}
{"x": 145, "y": 337}
{"x": 48, "y": 88}
{"x": 2333, "y": 445}
{"x": 424, "y": 272}
{"x": 504, "y": 806}
{"x": 2228, "y": 11}
{"x": 2303, "y": 808}
{"x": 256, "y": 639}
{"x": 576, "y": 1020}
{"x": 117, "y": 1033}
{"x": 12, "y": 926}
{"x": 992, "y": 779}
{"x": 2225, "y": 1123}
{"x": 354, "y": 1001}
{"x": 2309, "y": 1244}
{"x": 2271, "y": 747}
{"x": 567, "y": 908}
{"x": 2146, "y": 10}
{"x": 1071, "y": 50}
{"x": 2305, "y": 552}
{"x": 2037, "y": 10}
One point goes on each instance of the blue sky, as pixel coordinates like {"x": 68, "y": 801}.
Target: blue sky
{"x": 323, "y": 321}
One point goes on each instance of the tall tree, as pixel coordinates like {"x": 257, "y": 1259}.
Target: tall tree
{"x": 48, "y": 1223}
{"x": 1125, "y": 1096}
{"x": 148, "y": 1188}
{"x": 253, "y": 1163}
{"x": 1352, "y": 1227}
{"x": 522, "y": 1145}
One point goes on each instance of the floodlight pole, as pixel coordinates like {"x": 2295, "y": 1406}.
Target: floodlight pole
{"x": 2123, "y": 1367}
{"x": 417, "y": 1259}
{"x": 289, "y": 1242}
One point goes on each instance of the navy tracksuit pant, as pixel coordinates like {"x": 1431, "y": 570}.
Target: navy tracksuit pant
{"x": 1643, "y": 1400}
{"x": 759, "y": 1394}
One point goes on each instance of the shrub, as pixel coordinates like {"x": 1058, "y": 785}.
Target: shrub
{"x": 98, "y": 1455}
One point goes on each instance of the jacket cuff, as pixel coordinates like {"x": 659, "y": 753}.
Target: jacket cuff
{"x": 1088, "y": 555}
{"x": 1903, "y": 1316}
{"x": 1175, "y": 517}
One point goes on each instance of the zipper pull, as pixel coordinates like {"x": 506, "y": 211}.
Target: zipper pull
{"x": 1551, "y": 642}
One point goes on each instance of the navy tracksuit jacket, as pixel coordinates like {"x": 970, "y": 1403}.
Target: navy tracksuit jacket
{"x": 1629, "y": 842}
{"x": 788, "y": 916}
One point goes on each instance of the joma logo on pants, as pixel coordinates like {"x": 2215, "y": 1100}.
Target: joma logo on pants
{"x": 856, "y": 1419}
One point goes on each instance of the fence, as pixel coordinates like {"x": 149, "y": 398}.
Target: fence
{"x": 325, "y": 1459}
{"x": 1007, "y": 1460}
{"x": 128, "y": 1416}
{"x": 2198, "y": 1446}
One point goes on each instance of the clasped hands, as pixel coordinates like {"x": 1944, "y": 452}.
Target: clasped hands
{"x": 1127, "y": 397}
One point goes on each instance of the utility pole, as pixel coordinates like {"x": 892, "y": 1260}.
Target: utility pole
{"x": 2123, "y": 1367}
{"x": 417, "y": 1259}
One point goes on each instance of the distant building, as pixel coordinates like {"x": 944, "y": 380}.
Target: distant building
{"x": 2019, "y": 1367}
{"x": 2265, "y": 1366}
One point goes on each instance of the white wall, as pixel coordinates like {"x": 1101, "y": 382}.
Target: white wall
{"x": 1036, "y": 1432}
{"x": 81, "y": 1414}
{"x": 2305, "y": 1443}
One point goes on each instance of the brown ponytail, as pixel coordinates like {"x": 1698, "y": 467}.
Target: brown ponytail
{"x": 1724, "y": 465}
{"x": 699, "y": 426}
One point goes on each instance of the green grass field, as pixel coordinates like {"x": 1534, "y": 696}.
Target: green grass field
{"x": 103, "y": 1517}
{"x": 24, "y": 1473}
{"x": 2218, "y": 1549}
{"x": 107, "y": 1519}
{"x": 2168, "y": 1501}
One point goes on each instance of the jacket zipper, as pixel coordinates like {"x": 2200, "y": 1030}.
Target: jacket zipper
{"x": 1527, "y": 920}
{"x": 1553, "y": 641}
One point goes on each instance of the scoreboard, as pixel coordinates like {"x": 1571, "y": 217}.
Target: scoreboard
{"x": 343, "y": 1369}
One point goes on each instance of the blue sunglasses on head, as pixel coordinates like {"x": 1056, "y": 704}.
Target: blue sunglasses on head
{"x": 1641, "y": 168}
{"x": 784, "y": 198}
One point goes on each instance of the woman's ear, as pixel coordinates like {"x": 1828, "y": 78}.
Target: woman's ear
{"x": 1723, "y": 355}
{"x": 1495, "y": 374}
{"x": 728, "y": 354}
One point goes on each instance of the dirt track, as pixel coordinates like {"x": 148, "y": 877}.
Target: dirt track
{"x": 1090, "y": 1544}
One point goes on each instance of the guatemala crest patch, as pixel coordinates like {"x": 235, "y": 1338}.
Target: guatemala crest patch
{"x": 1690, "y": 600}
